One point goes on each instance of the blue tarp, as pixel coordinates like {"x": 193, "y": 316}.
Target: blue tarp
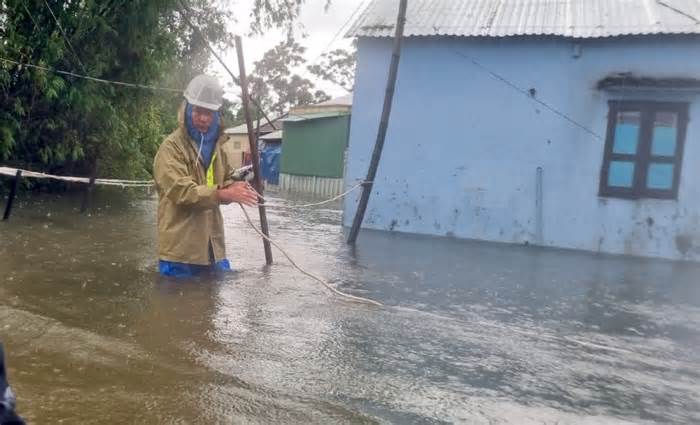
{"x": 270, "y": 154}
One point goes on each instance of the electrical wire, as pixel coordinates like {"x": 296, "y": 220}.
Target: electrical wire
{"x": 87, "y": 77}
{"x": 184, "y": 13}
{"x": 340, "y": 30}
{"x": 30, "y": 15}
{"x": 525, "y": 93}
{"x": 65, "y": 37}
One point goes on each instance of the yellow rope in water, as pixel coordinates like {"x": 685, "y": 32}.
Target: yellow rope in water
{"x": 311, "y": 275}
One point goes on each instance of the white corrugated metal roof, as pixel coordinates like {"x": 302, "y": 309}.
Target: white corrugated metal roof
{"x": 338, "y": 101}
{"x": 264, "y": 126}
{"x": 272, "y": 136}
{"x": 503, "y": 18}
{"x": 314, "y": 116}
{"x": 239, "y": 129}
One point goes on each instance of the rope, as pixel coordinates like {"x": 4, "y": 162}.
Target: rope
{"x": 8, "y": 171}
{"x": 309, "y": 274}
{"x": 328, "y": 201}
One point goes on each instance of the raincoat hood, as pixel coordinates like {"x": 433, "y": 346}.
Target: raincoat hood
{"x": 205, "y": 141}
{"x": 190, "y": 225}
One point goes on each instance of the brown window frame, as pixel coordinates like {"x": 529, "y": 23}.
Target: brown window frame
{"x": 643, "y": 157}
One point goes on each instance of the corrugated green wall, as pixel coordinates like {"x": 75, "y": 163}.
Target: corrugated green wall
{"x": 315, "y": 147}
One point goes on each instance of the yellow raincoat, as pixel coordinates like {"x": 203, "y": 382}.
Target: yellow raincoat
{"x": 190, "y": 225}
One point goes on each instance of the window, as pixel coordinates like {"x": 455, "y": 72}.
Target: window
{"x": 644, "y": 150}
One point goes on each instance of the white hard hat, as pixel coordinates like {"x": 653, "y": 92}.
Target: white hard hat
{"x": 205, "y": 91}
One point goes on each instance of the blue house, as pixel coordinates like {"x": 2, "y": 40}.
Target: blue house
{"x": 571, "y": 123}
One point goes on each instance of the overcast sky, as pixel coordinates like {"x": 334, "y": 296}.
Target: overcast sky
{"x": 320, "y": 27}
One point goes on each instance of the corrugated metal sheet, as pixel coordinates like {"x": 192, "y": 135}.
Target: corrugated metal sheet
{"x": 338, "y": 101}
{"x": 264, "y": 126}
{"x": 275, "y": 135}
{"x": 314, "y": 116}
{"x": 319, "y": 186}
{"x": 503, "y": 18}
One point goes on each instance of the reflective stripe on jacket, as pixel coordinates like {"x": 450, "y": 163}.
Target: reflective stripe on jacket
{"x": 189, "y": 219}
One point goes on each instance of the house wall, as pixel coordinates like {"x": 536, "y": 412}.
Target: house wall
{"x": 240, "y": 145}
{"x": 315, "y": 147}
{"x": 463, "y": 147}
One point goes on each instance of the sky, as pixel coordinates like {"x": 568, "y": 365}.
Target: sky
{"x": 319, "y": 25}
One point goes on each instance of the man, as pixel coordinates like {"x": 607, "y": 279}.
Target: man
{"x": 193, "y": 176}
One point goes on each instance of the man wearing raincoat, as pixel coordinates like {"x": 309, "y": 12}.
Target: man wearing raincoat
{"x": 193, "y": 176}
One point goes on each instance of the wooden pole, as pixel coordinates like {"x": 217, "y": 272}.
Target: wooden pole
{"x": 11, "y": 196}
{"x": 185, "y": 14}
{"x": 88, "y": 190}
{"x": 257, "y": 181}
{"x": 383, "y": 125}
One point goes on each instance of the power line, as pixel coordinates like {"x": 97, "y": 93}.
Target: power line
{"x": 30, "y": 15}
{"x": 184, "y": 13}
{"x": 679, "y": 11}
{"x": 525, "y": 93}
{"x": 65, "y": 37}
{"x": 86, "y": 77}
{"x": 340, "y": 30}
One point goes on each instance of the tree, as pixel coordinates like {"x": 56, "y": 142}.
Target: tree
{"x": 60, "y": 123}
{"x": 276, "y": 86}
{"x": 338, "y": 67}
{"x": 57, "y": 123}
{"x": 276, "y": 13}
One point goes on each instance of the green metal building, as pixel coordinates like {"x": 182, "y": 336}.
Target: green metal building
{"x": 313, "y": 147}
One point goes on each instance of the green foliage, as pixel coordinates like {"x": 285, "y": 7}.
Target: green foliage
{"x": 271, "y": 13}
{"x": 276, "y": 86}
{"x": 64, "y": 125}
{"x": 337, "y": 66}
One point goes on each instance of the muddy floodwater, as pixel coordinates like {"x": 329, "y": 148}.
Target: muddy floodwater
{"x": 472, "y": 333}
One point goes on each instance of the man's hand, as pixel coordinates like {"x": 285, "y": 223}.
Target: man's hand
{"x": 239, "y": 192}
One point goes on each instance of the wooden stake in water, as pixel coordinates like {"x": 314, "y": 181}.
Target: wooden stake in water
{"x": 383, "y": 125}
{"x": 257, "y": 182}
{"x": 11, "y": 196}
{"x": 90, "y": 187}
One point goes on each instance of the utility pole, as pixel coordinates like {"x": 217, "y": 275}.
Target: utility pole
{"x": 383, "y": 125}
{"x": 252, "y": 139}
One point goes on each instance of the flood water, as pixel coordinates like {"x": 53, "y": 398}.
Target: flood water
{"x": 472, "y": 332}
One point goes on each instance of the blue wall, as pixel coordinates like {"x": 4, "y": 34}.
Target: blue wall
{"x": 462, "y": 147}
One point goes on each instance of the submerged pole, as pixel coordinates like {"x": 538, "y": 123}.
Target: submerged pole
{"x": 88, "y": 190}
{"x": 539, "y": 211}
{"x": 11, "y": 196}
{"x": 383, "y": 125}
{"x": 257, "y": 181}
